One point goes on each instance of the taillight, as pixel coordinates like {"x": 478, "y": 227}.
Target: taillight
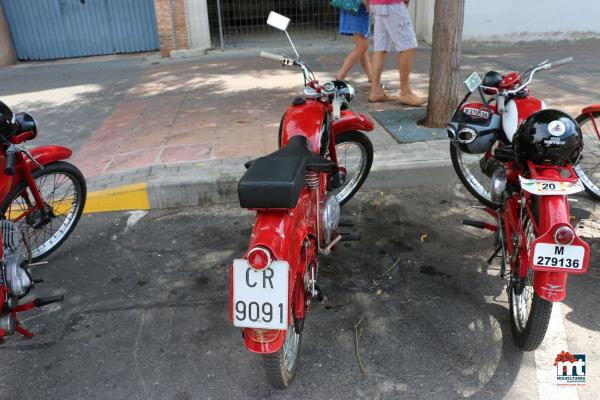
{"x": 564, "y": 235}
{"x": 262, "y": 335}
{"x": 259, "y": 258}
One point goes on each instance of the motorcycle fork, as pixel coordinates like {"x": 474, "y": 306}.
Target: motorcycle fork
{"x": 26, "y": 172}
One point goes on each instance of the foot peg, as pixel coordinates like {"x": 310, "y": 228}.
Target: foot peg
{"x": 44, "y": 301}
{"x": 327, "y": 250}
{"x": 480, "y": 225}
{"x": 475, "y": 224}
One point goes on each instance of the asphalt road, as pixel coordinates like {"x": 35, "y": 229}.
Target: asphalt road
{"x": 146, "y": 317}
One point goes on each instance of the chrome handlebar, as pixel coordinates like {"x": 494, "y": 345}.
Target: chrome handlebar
{"x": 338, "y": 100}
{"x": 502, "y": 94}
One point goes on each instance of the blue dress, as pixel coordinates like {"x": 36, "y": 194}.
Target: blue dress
{"x": 352, "y": 23}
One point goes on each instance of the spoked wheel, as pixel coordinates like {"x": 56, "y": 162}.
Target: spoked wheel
{"x": 63, "y": 189}
{"x": 475, "y": 172}
{"x": 588, "y": 168}
{"x": 355, "y": 157}
{"x": 281, "y": 366}
{"x": 529, "y": 313}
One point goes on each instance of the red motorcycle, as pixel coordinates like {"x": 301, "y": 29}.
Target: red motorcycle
{"x": 42, "y": 198}
{"x": 528, "y": 153}
{"x": 296, "y": 192}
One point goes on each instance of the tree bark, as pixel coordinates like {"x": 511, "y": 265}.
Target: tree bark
{"x": 444, "y": 79}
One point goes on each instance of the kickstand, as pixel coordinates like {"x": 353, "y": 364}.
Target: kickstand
{"x": 489, "y": 260}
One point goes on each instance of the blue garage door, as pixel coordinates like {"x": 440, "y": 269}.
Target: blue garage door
{"x": 51, "y": 29}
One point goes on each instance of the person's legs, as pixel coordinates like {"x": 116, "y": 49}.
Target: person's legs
{"x": 405, "y": 60}
{"x": 357, "y": 54}
{"x": 377, "y": 67}
{"x": 383, "y": 44}
{"x": 404, "y": 40}
{"x": 365, "y": 61}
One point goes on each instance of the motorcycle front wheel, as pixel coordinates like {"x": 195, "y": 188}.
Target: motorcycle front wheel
{"x": 281, "y": 366}
{"x": 529, "y": 313}
{"x": 63, "y": 188}
{"x": 588, "y": 167}
{"x": 355, "y": 156}
{"x": 470, "y": 171}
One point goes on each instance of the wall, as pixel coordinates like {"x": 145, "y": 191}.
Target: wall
{"x": 197, "y": 22}
{"x": 516, "y": 21}
{"x": 7, "y": 51}
{"x": 172, "y": 25}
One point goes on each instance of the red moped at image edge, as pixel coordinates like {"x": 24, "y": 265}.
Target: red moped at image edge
{"x": 41, "y": 200}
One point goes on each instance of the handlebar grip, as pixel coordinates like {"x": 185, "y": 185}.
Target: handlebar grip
{"x": 500, "y": 104}
{"x": 11, "y": 154}
{"x": 271, "y": 56}
{"x": 560, "y": 62}
{"x": 337, "y": 109}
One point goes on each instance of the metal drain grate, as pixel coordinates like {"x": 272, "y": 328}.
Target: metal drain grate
{"x": 402, "y": 125}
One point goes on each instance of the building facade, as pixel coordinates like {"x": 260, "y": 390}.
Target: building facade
{"x": 74, "y": 28}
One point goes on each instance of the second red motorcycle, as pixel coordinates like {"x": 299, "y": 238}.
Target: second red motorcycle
{"x": 528, "y": 153}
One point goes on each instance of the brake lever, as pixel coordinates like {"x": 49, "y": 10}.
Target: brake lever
{"x": 30, "y": 156}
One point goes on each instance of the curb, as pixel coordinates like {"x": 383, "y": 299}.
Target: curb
{"x": 127, "y": 197}
{"x": 175, "y": 191}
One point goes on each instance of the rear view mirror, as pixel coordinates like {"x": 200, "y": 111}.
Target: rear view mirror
{"x": 473, "y": 82}
{"x": 278, "y": 21}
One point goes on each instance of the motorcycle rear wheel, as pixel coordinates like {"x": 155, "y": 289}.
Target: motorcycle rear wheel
{"x": 281, "y": 367}
{"x": 468, "y": 169}
{"x": 63, "y": 188}
{"x": 529, "y": 313}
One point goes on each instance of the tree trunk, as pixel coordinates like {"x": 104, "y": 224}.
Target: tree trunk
{"x": 444, "y": 79}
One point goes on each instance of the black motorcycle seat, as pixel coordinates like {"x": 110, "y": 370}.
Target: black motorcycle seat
{"x": 276, "y": 180}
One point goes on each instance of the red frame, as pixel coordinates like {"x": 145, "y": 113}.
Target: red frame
{"x": 284, "y": 232}
{"x": 553, "y": 212}
{"x": 24, "y": 168}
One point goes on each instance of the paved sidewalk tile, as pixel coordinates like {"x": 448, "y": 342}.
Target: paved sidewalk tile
{"x": 132, "y": 119}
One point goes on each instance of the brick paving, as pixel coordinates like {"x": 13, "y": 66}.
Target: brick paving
{"x": 148, "y": 118}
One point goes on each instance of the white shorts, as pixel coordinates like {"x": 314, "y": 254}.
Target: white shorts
{"x": 393, "y": 27}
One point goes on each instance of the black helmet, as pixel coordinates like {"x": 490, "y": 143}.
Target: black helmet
{"x": 492, "y": 79}
{"x": 474, "y": 128}
{"x": 548, "y": 136}
{"x": 8, "y": 125}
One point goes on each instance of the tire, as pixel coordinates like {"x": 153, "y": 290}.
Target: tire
{"x": 281, "y": 367}
{"x": 468, "y": 169}
{"x": 528, "y": 331}
{"x": 588, "y": 168}
{"x": 14, "y": 204}
{"x": 352, "y": 182}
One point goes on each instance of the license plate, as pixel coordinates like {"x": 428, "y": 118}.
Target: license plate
{"x": 260, "y": 298}
{"x": 557, "y": 256}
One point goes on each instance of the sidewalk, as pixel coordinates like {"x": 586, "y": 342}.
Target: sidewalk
{"x": 183, "y": 128}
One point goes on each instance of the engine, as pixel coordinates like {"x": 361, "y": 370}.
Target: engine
{"x": 13, "y": 277}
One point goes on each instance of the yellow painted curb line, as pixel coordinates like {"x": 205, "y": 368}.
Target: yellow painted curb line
{"x": 128, "y": 197}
